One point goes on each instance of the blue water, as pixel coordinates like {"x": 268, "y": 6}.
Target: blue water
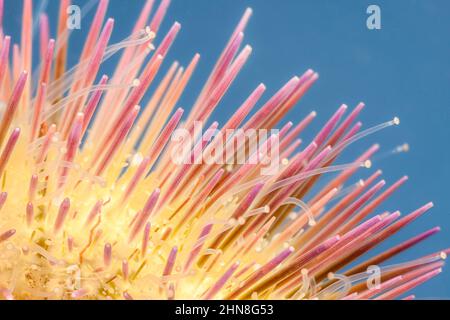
{"x": 401, "y": 70}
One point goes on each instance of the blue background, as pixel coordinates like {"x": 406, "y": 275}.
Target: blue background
{"x": 401, "y": 70}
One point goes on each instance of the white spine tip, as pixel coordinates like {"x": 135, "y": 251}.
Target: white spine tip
{"x": 396, "y": 121}
{"x": 406, "y": 147}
